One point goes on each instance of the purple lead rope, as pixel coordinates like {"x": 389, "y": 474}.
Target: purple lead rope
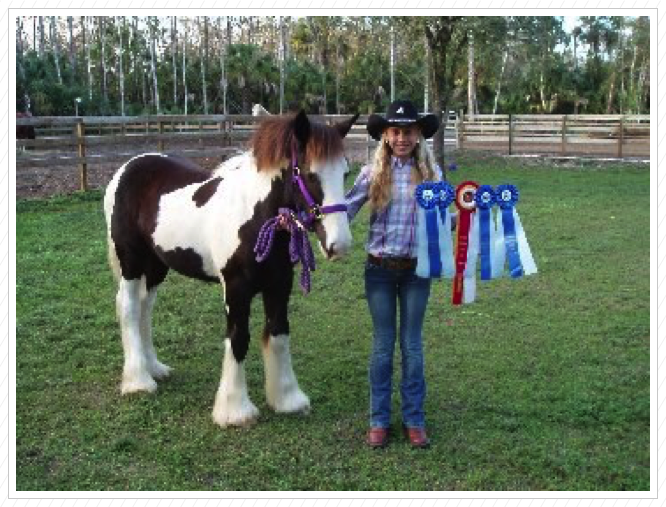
{"x": 299, "y": 244}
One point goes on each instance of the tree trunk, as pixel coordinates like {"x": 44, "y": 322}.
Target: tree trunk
{"x": 337, "y": 75}
{"x": 202, "y": 58}
{"x": 42, "y": 37}
{"x": 611, "y": 93}
{"x": 392, "y": 57}
{"x": 121, "y": 74}
{"x": 471, "y": 85}
{"x": 174, "y": 58}
{"x": 282, "y": 58}
{"x": 438, "y": 61}
{"x": 86, "y": 21}
{"x": 72, "y": 47}
{"x": 56, "y": 48}
{"x": 499, "y": 82}
{"x": 103, "y": 70}
{"x": 153, "y": 70}
{"x": 185, "y": 93}
{"x": 19, "y": 47}
{"x": 426, "y": 90}
{"x": 542, "y": 91}
{"x": 632, "y": 86}
{"x": 223, "y": 74}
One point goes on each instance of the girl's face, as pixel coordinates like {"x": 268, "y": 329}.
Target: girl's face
{"x": 402, "y": 140}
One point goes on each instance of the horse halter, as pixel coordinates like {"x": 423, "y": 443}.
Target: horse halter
{"x": 315, "y": 211}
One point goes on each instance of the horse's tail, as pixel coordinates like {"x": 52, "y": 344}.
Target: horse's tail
{"x": 114, "y": 263}
{"x": 109, "y": 201}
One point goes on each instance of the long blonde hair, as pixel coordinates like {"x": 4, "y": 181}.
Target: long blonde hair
{"x": 381, "y": 182}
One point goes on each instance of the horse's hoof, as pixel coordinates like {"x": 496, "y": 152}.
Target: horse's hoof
{"x": 295, "y": 403}
{"x": 242, "y": 420}
{"x": 137, "y": 385}
{"x": 159, "y": 370}
{"x": 241, "y": 413}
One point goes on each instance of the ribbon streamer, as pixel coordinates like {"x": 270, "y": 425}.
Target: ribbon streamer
{"x": 446, "y": 194}
{"x": 465, "y": 193}
{"x": 434, "y": 243}
{"x": 485, "y": 199}
{"x": 511, "y": 242}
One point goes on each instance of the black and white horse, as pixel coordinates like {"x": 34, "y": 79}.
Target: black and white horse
{"x": 164, "y": 212}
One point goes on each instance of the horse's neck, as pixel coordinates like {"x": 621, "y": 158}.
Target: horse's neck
{"x": 247, "y": 183}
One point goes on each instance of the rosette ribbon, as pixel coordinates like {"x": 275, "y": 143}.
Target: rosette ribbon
{"x": 511, "y": 244}
{"x": 484, "y": 224}
{"x": 464, "y": 281}
{"x": 433, "y": 234}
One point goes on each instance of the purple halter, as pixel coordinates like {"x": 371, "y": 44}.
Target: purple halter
{"x": 297, "y": 225}
{"x": 315, "y": 211}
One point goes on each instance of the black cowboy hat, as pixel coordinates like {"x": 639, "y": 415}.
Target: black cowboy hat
{"x": 402, "y": 113}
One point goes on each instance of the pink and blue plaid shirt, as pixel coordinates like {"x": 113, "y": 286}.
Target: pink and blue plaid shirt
{"x": 392, "y": 231}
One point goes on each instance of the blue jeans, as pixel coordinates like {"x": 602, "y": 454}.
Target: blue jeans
{"x": 384, "y": 290}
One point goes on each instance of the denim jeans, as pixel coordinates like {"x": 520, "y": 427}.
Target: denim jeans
{"x": 385, "y": 289}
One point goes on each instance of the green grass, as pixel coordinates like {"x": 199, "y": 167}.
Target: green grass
{"x": 542, "y": 384}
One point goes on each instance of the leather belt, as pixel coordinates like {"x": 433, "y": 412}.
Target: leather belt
{"x": 395, "y": 263}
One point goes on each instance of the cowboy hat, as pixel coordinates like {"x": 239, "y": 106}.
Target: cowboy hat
{"x": 402, "y": 113}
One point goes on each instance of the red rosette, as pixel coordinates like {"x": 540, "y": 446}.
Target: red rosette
{"x": 465, "y": 193}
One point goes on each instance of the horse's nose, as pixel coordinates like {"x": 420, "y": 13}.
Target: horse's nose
{"x": 338, "y": 249}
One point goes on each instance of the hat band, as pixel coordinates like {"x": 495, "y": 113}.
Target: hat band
{"x": 401, "y": 120}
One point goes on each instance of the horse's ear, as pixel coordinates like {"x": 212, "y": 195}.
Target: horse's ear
{"x": 301, "y": 126}
{"x": 344, "y": 127}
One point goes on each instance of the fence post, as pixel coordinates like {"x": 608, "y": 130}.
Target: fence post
{"x": 160, "y": 140}
{"x": 620, "y": 137}
{"x": 510, "y": 134}
{"x": 81, "y": 144}
{"x": 461, "y": 130}
{"x": 564, "y": 134}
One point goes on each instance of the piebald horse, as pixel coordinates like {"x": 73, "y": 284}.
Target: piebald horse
{"x": 164, "y": 212}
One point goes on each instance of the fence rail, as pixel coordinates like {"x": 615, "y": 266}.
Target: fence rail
{"x": 611, "y": 135}
{"x": 89, "y": 140}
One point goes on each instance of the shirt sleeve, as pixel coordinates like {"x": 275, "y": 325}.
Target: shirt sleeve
{"x": 358, "y": 194}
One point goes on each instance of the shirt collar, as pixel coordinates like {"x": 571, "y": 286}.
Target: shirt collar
{"x": 398, "y": 164}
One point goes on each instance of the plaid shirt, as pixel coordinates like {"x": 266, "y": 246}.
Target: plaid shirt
{"x": 392, "y": 230}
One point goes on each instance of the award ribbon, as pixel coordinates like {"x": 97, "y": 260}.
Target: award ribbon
{"x": 511, "y": 239}
{"x": 485, "y": 199}
{"x": 429, "y": 264}
{"x": 466, "y": 205}
{"x": 446, "y": 194}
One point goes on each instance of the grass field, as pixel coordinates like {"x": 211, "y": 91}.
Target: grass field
{"x": 542, "y": 384}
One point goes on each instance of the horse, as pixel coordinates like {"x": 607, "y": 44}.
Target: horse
{"x": 24, "y": 131}
{"x": 164, "y": 212}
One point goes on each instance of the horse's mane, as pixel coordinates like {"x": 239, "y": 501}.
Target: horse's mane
{"x": 271, "y": 144}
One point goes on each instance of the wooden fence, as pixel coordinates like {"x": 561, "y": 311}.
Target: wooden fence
{"x": 83, "y": 141}
{"x": 598, "y": 135}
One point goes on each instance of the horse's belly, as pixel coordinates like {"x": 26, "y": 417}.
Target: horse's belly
{"x": 188, "y": 262}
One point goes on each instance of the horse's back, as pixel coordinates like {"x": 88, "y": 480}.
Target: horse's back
{"x": 132, "y": 202}
{"x": 156, "y": 174}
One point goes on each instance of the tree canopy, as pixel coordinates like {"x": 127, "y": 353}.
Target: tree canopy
{"x": 148, "y": 65}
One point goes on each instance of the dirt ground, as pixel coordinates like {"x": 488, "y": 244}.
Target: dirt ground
{"x": 39, "y": 182}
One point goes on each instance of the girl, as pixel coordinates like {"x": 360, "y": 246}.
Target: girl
{"x": 402, "y": 161}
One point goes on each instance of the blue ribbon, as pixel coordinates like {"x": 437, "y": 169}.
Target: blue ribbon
{"x": 507, "y": 197}
{"x": 446, "y": 194}
{"x": 427, "y": 196}
{"x": 433, "y": 244}
{"x": 485, "y": 199}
